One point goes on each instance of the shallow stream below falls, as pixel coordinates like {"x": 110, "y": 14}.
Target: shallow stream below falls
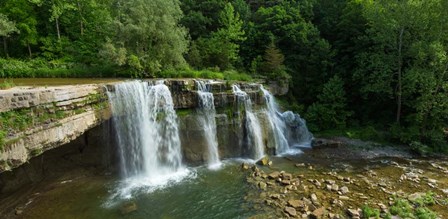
{"x": 226, "y": 192}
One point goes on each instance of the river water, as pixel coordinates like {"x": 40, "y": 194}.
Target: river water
{"x": 203, "y": 194}
{"x": 225, "y": 193}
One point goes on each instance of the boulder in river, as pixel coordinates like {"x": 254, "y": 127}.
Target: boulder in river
{"x": 344, "y": 190}
{"x": 245, "y": 166}
{"x": 318, "y": 213}
{"x": 128, "y": 207}
{"x": 418, "y": 195}
{"x": 291, "y": 211}
{"x": 274, "y": 175}
{"x": 264, "y": 161}
{"x": 262, "y": 185}
{"x": 354, "y": 213}
{"x": 295, "y": 203}
{"x": 325, "y": 143}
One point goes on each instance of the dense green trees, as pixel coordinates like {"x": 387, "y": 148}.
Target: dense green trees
{"x": 147, "y": 36}
{"x": 7, "y": 28}
{"x": 406, "y": 64}
{"x": 330, "y": 110}
{"x": 382, "y": 63}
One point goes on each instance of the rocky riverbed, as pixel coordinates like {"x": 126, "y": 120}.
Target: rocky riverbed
{"x": 309, "y": 186}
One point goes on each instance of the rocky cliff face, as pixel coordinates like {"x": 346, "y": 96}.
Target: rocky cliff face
{"x": 35, "y": 120}
{"x": 231, "y": 133}
{"x": 49, "y": 131}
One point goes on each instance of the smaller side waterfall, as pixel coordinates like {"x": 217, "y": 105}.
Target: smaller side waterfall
{"x": 290, "y": 130}
{"x": 278, "y": 126}
{"x": 207, "y": 114}
{"x": 252, "y": 124}
{"x": 299, "y": 135}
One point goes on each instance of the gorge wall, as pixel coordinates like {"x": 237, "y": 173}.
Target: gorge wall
{"x": 37, "y": 119}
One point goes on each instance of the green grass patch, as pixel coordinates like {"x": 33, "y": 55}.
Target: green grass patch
{"x": 369, "y": 212}
{"x": 184, "y": 112}
{"x": 2, "y": 139}
{"x": 6, "y": 84}
{"x": 41, "y": 68}
{"x": 206, "y": 74}
{"x": 417, "y": 209}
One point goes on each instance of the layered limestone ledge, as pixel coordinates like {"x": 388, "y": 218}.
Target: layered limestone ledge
{"x": 43, "y": 138}
{"x": 26, "y": 97}
{"x": 57, "y": 115}
{"x": 184, "y": 92}
{"x": 36, "y": 119}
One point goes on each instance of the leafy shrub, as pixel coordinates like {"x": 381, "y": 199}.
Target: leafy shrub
{"x": 426, "y": 200}
{"x": 41, "y": 68}
{"x": 404, "y": 209}
{"x": 2, "y": 139}
{"x": 330, "y": 109}
{"x": 235, "y": 76}
{"x": 6, "y": 84}
{"x": 368, "y": 212}
{"x": 425, "y": 213}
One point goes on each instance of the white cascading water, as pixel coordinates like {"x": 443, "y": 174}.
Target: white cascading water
{"x": 146, "y": 127}
{"x": 290, "y": 130}
{"x": 254, "y": 133}
{"x": 297, "y": 131}
{"x": 207, "y": 114}
{"x": 277, "y": 124}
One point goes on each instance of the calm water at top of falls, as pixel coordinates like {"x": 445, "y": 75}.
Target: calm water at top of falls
{"x": 58, "y": 81}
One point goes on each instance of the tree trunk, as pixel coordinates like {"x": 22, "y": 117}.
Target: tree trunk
{"x": 81, "y": 20}
{"x": 57, "y": 29}
{"x": 29, "y": 51}
{"x": 5, "y": 47}
{"x": 400, "y": 66}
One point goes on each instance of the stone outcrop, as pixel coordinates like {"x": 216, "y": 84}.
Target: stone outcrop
{"x": 44, "y": 138}
{"x": 231, "y": 137}
{"x": 34, "y": 120}
{"x": 279, "y": 87}
{"x": 26, "y": 97}
{"x": 57, "y": 115}
{"x": 90, "y": 152}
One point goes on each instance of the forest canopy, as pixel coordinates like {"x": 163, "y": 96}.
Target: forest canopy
{"x": 380, "y": 64}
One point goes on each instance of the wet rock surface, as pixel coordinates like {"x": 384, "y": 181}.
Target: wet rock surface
{"x": 304, "y": 187}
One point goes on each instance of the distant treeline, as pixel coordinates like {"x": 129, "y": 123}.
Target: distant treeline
{"x": 381, "y": 63}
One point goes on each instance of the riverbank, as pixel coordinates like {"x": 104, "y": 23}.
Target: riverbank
{"x": 339, "y": 181}
{"x": 322, "y": 182}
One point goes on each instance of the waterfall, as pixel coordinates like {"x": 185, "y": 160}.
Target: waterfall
{"x": 278, "y": 126}
{"x": 254, "y": 133}
{"x": 207, "y": 114}
{"x": 297, "y": 130}
{"x": 147, "y": 132}
{"x": 289, "y": 129}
